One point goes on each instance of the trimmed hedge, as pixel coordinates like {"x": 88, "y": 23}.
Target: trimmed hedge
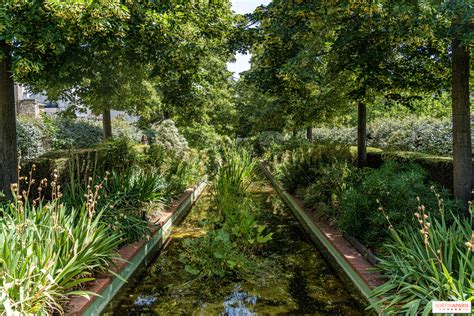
{"x": 414, "y": 134}
{"x": 59, "y": 161}
{"x": 438, "y": 168}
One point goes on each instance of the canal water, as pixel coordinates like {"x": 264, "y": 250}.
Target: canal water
{"x": 291, "y": 276}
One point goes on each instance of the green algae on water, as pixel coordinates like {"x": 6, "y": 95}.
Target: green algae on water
{"x": 289, "y": 276}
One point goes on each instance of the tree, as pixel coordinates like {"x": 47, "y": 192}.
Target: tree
{"x": 53, "y": 46}
{"x": 282, "y": 72}
{"x": 35, "y": 35}
{"x": 462, "y": 147}
{"x": 369, "y": 50}
{"x": 8, "y": 154}
{"x": 379, "y": 61}
{"x": 450, "y": 24}
{"x": 194, "y": 84}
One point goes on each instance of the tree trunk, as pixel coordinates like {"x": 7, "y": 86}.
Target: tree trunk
{"x": 309, "y": 133}
{"x": 107, "y": 124}
{"x": 361, "y": 135}
{"x": 462, "y": 149}
{"x": 8, "y": 149}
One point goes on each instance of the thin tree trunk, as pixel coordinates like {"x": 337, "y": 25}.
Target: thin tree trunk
{"x": 8, "y": 149}
{"x": 309, "y": 133}
{"x": 462, "y": 149}
{"x": 107, "y": 124}
{"x": 361, "y": 135}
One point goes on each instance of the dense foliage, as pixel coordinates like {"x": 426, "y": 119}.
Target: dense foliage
{"x": 74, "y": 233}
{"x": 325, "y": 178}
{"x": 317, "y": 62}
{"x": 132, "y": 183}
{"x": 395, "y": 187}
{"x": 37, "y": 136}
{"x": 313, "y": 63}
{"x": 31, "y": 138}
{"x": 67, "y": 133}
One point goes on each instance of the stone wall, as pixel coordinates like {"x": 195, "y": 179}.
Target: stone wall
{"x": 30, "y": 107}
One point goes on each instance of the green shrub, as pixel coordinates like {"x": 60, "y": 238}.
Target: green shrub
{"x": 434, "y": 263}
{"x": 30, "y": 137}
{"x": 335, "y": 134}
{"x": 179, "y": 169}
{"x": 205, "y": 138}
{"x": 125, "y": 193}
{"x": 396, "y": 187}
{"x": 412, "y": 134}
{"x": 328, "y": 186}
{"x": 269, "y": 144}
{"x": 269, "y": 141}
{"x": 117, "y": 154}
{"x": 47, "y": 251}
{"x": 68, "y": 133}
{"x": 180, "y": 174}
{"x": 213, "y": 256}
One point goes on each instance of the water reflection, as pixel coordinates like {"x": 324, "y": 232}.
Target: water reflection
{"x": 239, "y": 303}
{"x": 145, "y": 300}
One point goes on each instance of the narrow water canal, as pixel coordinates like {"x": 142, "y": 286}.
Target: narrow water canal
{"x": 291, "y": 278}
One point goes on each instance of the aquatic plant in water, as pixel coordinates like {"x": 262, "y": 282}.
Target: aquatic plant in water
{"x": 225, "y": 249}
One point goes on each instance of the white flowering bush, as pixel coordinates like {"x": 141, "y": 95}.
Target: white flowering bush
{"x": 123, "y": 129}
{"x": 427, "y": 135}
{"x": 167, "y": 135}
{"x": 337, "y": 135}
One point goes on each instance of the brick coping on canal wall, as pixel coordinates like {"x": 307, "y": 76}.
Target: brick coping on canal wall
{"x": 332, "y": 243}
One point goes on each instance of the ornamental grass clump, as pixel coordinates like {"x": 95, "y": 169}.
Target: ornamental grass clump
{"x": 125, "y": 195}
{"x": 233, "y": 178}
{"x": 432, "y": 262}
{"x": 48, "y": 251}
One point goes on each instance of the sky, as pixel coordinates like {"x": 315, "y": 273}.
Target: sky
{"x": 242, "y": 62}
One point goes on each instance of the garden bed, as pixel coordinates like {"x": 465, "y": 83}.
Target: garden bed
{"x": 135, "y": 255}
{"x": 332, "y": 243}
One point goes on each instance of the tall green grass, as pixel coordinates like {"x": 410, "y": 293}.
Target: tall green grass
{"x": 233, "y": 179}
{"x": 47, "y": 252}
{"x": 123, "y": 196}
{"x": 434, "y": 262}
